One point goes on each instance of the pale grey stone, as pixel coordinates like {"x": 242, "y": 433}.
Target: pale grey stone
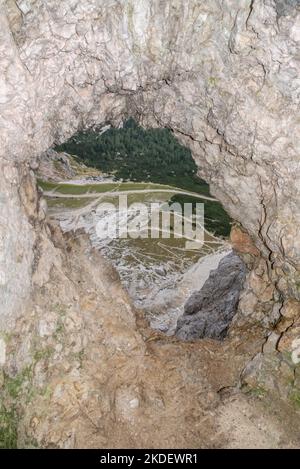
{"x": 223, "y": 76}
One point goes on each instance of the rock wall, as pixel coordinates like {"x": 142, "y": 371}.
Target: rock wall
{"x": 17, "y": 238}
{"x": 222, "y": 75}
{"x": 209, "y": 311}
{"x": 84, "y": 370}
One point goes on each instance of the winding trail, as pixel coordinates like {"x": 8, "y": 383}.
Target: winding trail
{"x": 129, "y": 192}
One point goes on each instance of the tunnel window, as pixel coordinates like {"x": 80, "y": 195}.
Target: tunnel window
{"x": 137, "y": 194}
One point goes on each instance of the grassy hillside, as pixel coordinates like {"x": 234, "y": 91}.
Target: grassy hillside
{"x": 135, "y": 154}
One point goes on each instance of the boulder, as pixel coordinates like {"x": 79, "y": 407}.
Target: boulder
{"x": 208, "y": 312}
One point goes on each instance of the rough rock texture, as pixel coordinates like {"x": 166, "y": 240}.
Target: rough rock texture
{"x": 19, "y": 233}
{"x": 57, "y": 166}
{"x": 224, "y": 76}
{"x": 54, "y": 166}
{"x": 84, "y": 370}
{"x": 208, "y": 312}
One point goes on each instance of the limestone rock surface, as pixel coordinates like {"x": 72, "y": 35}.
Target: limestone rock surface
{"x": 224, "y": 77}
{"x": 209, "y": 311}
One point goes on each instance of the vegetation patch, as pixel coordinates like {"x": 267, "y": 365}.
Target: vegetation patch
{"x": 295, "y": 398}
{"x": 216, "y": 220}
{"x": 255, "y": 391}
{"x": 135, "y": 154}
{"x": 9, "y": 418}
{"x": 139, "y": 155}
{"x": 43, "y": 354}
{"x": 14, "y": 385}
{"x": 8, "y": 428}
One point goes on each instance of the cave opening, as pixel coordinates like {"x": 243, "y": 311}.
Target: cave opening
{"x": 169, "y": 243}
{"x": 77, "y": 368}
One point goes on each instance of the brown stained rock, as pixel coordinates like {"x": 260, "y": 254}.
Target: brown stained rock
{"x": 290, "y": 342}
{"x": 283, "y": 325}
{"x": 242, "y": 242}
{"x": 29, "y": 195}
{"x": 291, "y": 309}
{"x": 267, "y": 294}
{"x": 261, "y": 286}
{"x": 248, "y": 303}
{"x": 271, "y": 343}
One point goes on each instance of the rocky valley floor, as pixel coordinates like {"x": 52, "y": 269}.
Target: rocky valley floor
{"x": 92, "y": 374}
